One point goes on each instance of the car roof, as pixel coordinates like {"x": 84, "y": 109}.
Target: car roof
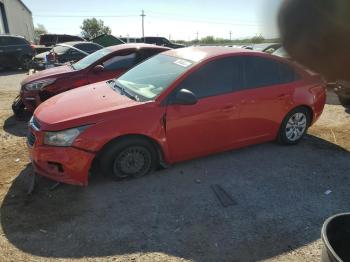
{"x": 135, "y": 46}
{"x": 73, "y": 43}
{"x": 14, "y": 36}
{"x": 201, "y": 53}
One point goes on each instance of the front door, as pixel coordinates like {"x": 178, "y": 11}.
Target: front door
{"x": 211, "y": 124}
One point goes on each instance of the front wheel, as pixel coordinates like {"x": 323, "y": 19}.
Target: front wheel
{"x": 127, "y": 158}
{"x": 294, "y": 126}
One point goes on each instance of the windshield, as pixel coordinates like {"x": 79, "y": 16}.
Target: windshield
{"x": 90, "y": 59}
{"x": 150, "y": 78}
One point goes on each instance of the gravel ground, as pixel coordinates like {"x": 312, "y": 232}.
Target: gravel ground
{"x": 173, "y": 215}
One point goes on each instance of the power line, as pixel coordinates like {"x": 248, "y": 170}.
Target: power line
{"x": 210, "y": 22}
{"x": 82, "y": 16}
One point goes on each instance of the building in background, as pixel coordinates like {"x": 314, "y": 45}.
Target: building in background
{"x": 16, "y": 19}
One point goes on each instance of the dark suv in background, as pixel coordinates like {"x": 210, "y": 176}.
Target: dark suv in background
{"x": 15, "y": 52}
{"x": 53, "y": 39}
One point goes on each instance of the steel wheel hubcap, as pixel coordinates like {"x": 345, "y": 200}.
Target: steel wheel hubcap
{"x": 296, "y": 126}
{"x": 133, "y": 161}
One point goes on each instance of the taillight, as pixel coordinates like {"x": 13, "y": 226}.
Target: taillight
{"x": 32, "y": 46}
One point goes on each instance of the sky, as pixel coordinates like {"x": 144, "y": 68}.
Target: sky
{"x": 176, "y": 19}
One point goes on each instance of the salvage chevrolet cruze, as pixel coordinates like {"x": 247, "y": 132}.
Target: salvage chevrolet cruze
{"x": 175, "y": 106}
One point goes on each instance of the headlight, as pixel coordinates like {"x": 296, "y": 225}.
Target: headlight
{"x": 38, "y": 85}
{"x": 64, "y": 137}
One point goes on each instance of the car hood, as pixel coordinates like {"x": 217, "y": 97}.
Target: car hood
{"x": 54, "y": 72}
{"x": 82, "y": 106}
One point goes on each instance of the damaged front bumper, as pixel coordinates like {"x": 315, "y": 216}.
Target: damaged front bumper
{"x": 63, "y": 164}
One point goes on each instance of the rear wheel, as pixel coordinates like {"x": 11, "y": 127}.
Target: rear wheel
{"x": 294, "y": 126}
{"x": 130, "y": 157}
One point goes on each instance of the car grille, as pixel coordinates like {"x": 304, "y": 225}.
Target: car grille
{"x": 30, "y": 138}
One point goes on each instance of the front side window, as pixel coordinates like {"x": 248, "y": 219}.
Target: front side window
{"x": 91, "y": 59}
{"x": 150, "y": 78}
{"x": 215, "y": 78}
{"x": 120, "y": 62}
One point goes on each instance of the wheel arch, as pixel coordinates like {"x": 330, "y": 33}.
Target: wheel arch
{"x": 309, "y": 109}
{"x": 154, "y": 142}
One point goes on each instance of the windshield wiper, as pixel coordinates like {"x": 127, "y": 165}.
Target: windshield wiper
{"x": 123, "y": 91}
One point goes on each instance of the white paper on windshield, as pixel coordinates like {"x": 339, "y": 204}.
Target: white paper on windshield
{"x": 183, "y": 63}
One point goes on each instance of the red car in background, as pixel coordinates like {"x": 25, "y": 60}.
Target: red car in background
{"x": 177, "y": 105}
{"x": 101, "y": 65}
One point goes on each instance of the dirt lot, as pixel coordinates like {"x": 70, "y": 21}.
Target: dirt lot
{"x": 173, "y": 215}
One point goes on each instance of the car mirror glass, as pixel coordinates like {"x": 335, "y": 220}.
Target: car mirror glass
{"x": 98, "y": 68}
{"x": 185, "y": 97}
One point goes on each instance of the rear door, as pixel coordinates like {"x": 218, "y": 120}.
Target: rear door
{"x": 12, "y": 49}
{"x": 269, "y": 85}
{"x": 212, "y": 124}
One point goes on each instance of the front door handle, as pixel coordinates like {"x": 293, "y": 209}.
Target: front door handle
{"x": 229, "y": 107}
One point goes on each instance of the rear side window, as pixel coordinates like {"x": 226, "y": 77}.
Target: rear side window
{"x": 147, "y": 53}
{"x": 260, "y": 71}
{"x": 120, "y": 62}
{"x": 215, "y": 78}
{"x": 18, "y": 41}
{"x": 287, "y": 73}
{"x": 4, "y": 40}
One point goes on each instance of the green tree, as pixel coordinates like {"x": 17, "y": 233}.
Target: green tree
{"x": 208, "y": 40}
{"x": 92, "y": 28}
{"x": 258, "y": 39}
{"x": 39, "y": 30}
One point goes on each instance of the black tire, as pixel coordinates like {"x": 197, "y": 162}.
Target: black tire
{"x": 128, "y": 158}
{"x": 18, "y": 107}
{"x": 25, "y": 63}
{"x": 297, "y": 130}
{"x": 344, "y": 101}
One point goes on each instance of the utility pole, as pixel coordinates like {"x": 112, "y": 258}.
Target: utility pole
{"x": 230, "y": 35}
{"x": 197, "y": 35}
{"x": 143, "y": 27}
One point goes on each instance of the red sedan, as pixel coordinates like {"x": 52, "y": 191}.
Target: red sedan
{"x": 178, "y": 105}
{"x": 101, "y": 65}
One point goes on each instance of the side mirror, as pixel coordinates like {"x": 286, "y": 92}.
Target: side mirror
{"x": 98, "y": 68}
{"x": 185, "y": 97}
